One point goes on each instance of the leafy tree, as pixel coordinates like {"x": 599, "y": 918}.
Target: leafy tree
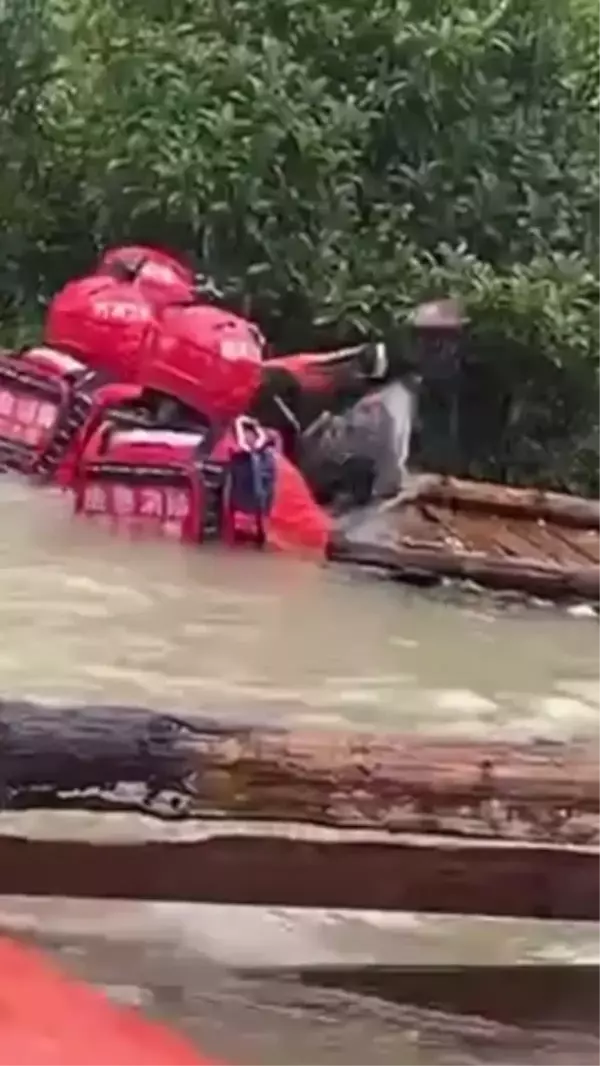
{"x": 334, "y": 162}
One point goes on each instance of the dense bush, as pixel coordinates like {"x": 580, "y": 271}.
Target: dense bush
{"x": 333, "y": 162}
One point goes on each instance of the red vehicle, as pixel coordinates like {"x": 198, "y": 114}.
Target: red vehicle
{"x": 48, "y": 1020}
{"x": 185, "y": 460}
{"x": 139, "y": 401}
{"x": 94, "y": 336}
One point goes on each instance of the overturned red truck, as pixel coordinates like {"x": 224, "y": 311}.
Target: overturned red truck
{"x": 139, "y": 401}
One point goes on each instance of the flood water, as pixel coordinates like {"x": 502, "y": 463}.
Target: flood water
{"x": 85, "y": 617}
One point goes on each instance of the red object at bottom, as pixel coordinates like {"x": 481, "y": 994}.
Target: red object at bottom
{"x": 48, "y": 1020}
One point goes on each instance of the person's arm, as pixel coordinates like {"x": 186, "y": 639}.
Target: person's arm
{"x": 330, "y": 372}
{"x": 297, "y": 389}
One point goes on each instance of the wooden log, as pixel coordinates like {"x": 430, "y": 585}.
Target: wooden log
{"x": 533, "y": 504}
{"x": 448, "y": 825}
{"x": 133, "y": 759}
{"x": 532, "y": 577}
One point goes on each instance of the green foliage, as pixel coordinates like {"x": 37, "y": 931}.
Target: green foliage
{"x": 528, "y": 394}
{"x": 334, "y": 162}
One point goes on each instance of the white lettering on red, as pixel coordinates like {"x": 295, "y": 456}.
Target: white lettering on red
{"x": 177, "y": 504}
{"x": 46, "y": 415}
{"x": 94, "y": 500}
{"x": 235, "y": 348}
{"x": 121, "y": 311}
{"x": 27, "y": 410}
{"x": 123, "y": 501}
{"x": 159, "y": 436}
{"x": 25, "y": 418}
{"x": 7, "y": 403}
{"x": 151, "y": 503}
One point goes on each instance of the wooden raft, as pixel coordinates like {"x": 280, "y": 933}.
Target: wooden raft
{"x": 541, "y": 544}
{"x": 220, "y": 811}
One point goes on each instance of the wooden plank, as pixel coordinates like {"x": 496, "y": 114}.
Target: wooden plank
{"x": 531, "y": 576}
{"x": 300, "y": 866}
{"x": 537, "y": 504}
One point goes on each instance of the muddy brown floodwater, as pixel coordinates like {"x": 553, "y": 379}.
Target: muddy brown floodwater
{"x": 86, "y": 617}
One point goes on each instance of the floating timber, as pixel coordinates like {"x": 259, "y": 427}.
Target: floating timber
{"x": 242, "y": 813}
{"x": 541, "y": 544}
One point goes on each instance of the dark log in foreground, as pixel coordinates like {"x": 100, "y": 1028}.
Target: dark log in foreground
{"x": 536, "y": 504}
{"x": 502, "y": 828}
{"x": 131, "y": 758}
{"x": 525, "y": 575}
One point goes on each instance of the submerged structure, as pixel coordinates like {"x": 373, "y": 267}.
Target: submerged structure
{"x": 540, "y": 544}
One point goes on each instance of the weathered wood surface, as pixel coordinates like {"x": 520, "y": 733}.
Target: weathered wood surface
{"x": 539, "y": 544}
{"x": 536, "y": 504}
{"x": 132, "y": 758}
{"x": 490, "y": 827}
{"x": 531, "y": 576}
